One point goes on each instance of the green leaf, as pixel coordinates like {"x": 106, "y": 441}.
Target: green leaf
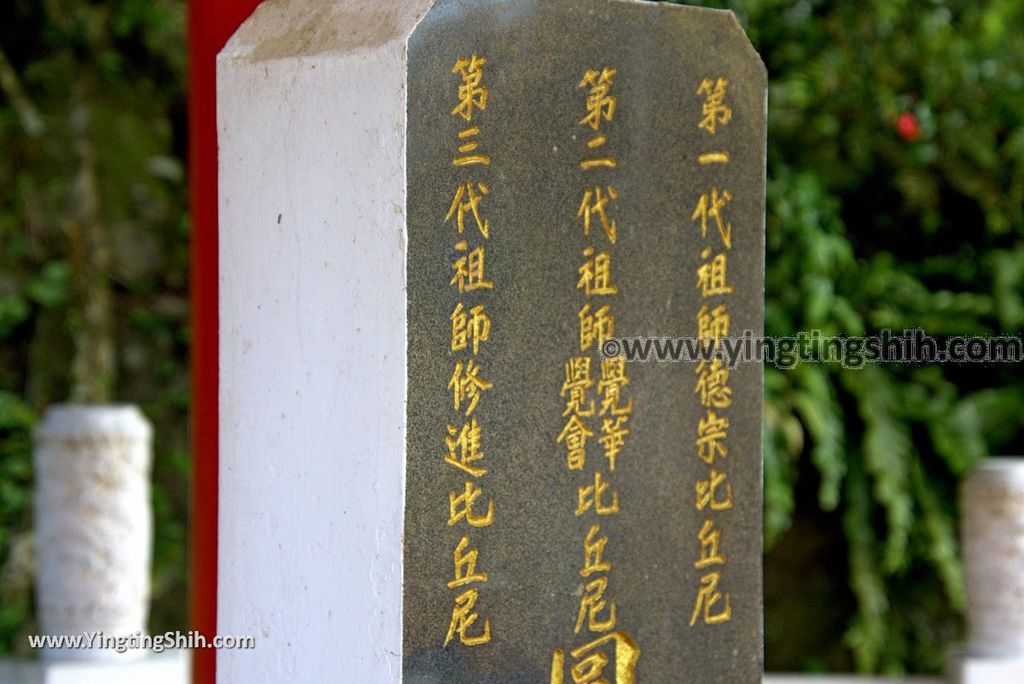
{"x": 49, "y": 287}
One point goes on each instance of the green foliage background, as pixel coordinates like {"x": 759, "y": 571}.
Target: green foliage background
{"x": 92, "y": 113}
{"x": 866, "y": 230}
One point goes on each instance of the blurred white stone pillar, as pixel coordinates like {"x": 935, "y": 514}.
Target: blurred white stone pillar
{"x": 992, "y": 533}
{"x": 93, "y": 525}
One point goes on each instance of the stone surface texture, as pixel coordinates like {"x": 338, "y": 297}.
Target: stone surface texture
{"x": 537, "y": 53}
{"x": 93, "y": 523}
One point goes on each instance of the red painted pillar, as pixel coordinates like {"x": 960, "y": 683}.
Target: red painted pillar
{"x": 210, "y": 24}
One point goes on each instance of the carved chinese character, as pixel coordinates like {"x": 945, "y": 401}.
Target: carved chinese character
{"x": 710, "y": 539}
{"x": 712, "y": 324}
{"x": 463, "y": 617}
{"x": 471, "y": 93}
{"x": 577, "y": 382}
{"x": 467, "y": 201}
{"x": 595, "y": 204}
{"x": 574, "y": 435}
{"x": 468, "y": 147}
{"x": 461, "y": 507}
{"x": 592, "y": 605}
{"x": 711, "y": 433}
{"x": 469, "y": 269}
{"x": 711, "y": 276}
{"x": 616, "y": 649}
{"x": 613, "y": 437}
{"x": 708, "y": 596}
{"x": 714, "y": 492}
{"x": 467, "y": 385}
{"x": 464, "y": 447}
{"x": 712, "y": 206}
{"x": 613, "y": 379}
{"x": 600, "y": 104}
{"x": 596, "y": 274}
{"x": 593, "y": 553}
{"x": 716, "y": 112}
{"x": 592, "y": 496}
{"x": 465, "y": 566}
{"x": 598, "y": 326}
{"x": 713, "y": 383}
{"x": 474, "y": 326}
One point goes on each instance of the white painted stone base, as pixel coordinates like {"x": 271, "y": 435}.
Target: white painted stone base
{"x": 171, "y": 667}
{"x": 971, "y": 670}
{"x": 847, "y": 679}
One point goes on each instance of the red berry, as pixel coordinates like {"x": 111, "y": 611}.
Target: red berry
{"x": 908, "y": 127}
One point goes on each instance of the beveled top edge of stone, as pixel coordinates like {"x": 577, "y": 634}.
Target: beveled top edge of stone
{"x": 314, "y": 27}
{"x": 343, "y": 26}
{"x": 61, "y": 421}
{"x": 999, "y": 468}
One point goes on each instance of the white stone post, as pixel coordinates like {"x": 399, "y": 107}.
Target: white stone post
{"x": 992, "y": 532}
{"x": 311, "y": 109}
{"x": 93, "y": 524}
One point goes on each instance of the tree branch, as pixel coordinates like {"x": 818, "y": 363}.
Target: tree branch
{"x": 11, "y": 86}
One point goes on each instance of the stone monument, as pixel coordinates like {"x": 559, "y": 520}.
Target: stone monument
{"x": 438, "y": 220}
{"x": 992, "y": 535}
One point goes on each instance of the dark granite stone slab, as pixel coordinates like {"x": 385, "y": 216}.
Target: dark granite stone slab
{"x": 519, "y": 624}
